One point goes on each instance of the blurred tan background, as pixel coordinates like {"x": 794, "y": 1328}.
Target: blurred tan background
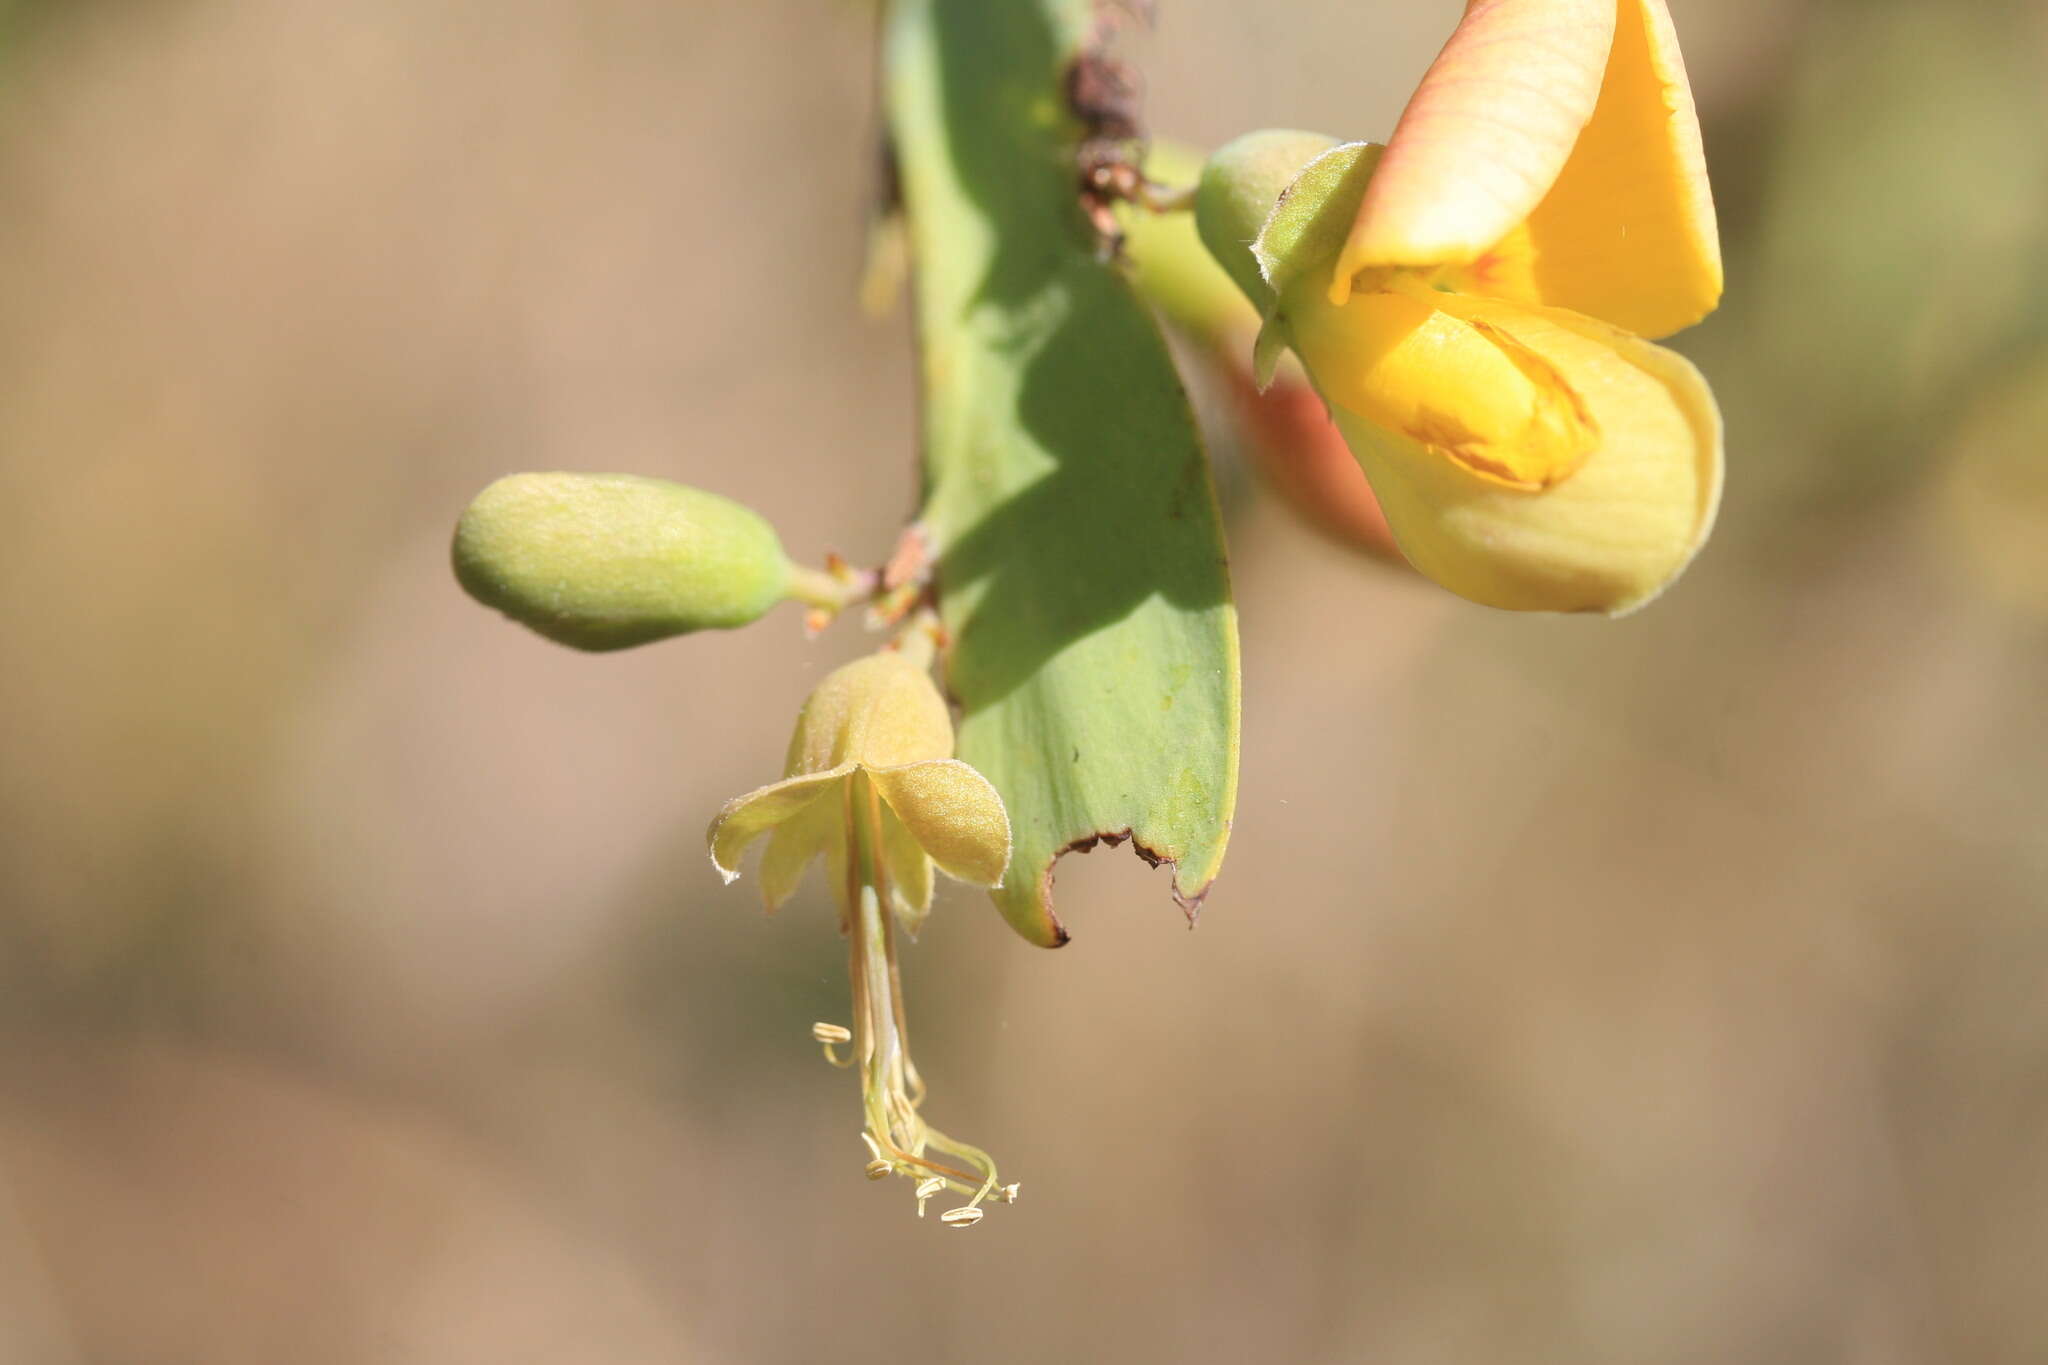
{"x": 1667, "y": 990}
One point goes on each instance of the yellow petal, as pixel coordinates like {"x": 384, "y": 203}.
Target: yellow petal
{"x": 1485, "y": 135}
{"x": 1607, "y": 539}
{"x": 954, "y": 814}
{"x": 910, "y": 872}
{"x": 1627, "y": 234}
{"x": 880, "y": 710}
{"x": 1460, "y": 386}
{"x": 746, "y": 818}
{"x": 797, "y": 840}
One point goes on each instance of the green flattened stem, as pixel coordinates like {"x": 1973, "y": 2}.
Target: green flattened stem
{"x": 1082, "y": 580}
{"x": 607, "y": 561}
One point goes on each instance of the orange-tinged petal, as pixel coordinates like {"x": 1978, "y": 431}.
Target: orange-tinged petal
{"x": 1484, "y": 137}
{"x": 1304, "y": 460}
{"x": 1607, "y": 539}
{"x": 1627, "y": 234}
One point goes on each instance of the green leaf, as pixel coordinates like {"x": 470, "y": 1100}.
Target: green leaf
{"x": 1081, "y": 572}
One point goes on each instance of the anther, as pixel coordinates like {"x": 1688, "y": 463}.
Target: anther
{"x": 830, "y": 1034}
{"x": 879, "y": 1169}
{"x": 1008, "y": 1193}
{"x": 964, "y": 1217}
{"x": 926, "y": 1188}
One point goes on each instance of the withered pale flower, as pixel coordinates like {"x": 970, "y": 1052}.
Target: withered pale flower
{"x": 871, "y": 784}
{"x": 1471, "y": 300}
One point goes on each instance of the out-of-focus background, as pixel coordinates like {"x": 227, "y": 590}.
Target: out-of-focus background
{"x": 1665, "y": 990}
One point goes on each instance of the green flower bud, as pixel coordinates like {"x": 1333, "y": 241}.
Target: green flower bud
{"x": 605, "y": 561}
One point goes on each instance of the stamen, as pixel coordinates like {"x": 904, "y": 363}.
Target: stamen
{"x": 828, "y": 1034}
{"x": 891, "y": 1089}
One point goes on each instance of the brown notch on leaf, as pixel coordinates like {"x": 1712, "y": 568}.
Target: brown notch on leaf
{"x": 1191, "y": 906}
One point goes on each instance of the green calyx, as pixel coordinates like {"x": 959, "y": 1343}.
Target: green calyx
{"x": 1274, "y": 209}
{"x": 1240, "y": 186}
{"x": 607, "y": 561}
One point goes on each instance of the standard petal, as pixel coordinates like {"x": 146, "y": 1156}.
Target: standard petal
{"x": 1484, "y": 137}
{"x": 795, "y": 842}
{"x": 910, "y": 872}
{"x": 1627, "y": 234}
{"x": 746, "y": 818}
{"x": 1607, "y": 539}
{"x": 953, "y": 813}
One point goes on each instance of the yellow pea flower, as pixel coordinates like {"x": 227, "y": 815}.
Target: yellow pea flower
{"x": 1470, "y": 300}
{"x": 871, "y": 784}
